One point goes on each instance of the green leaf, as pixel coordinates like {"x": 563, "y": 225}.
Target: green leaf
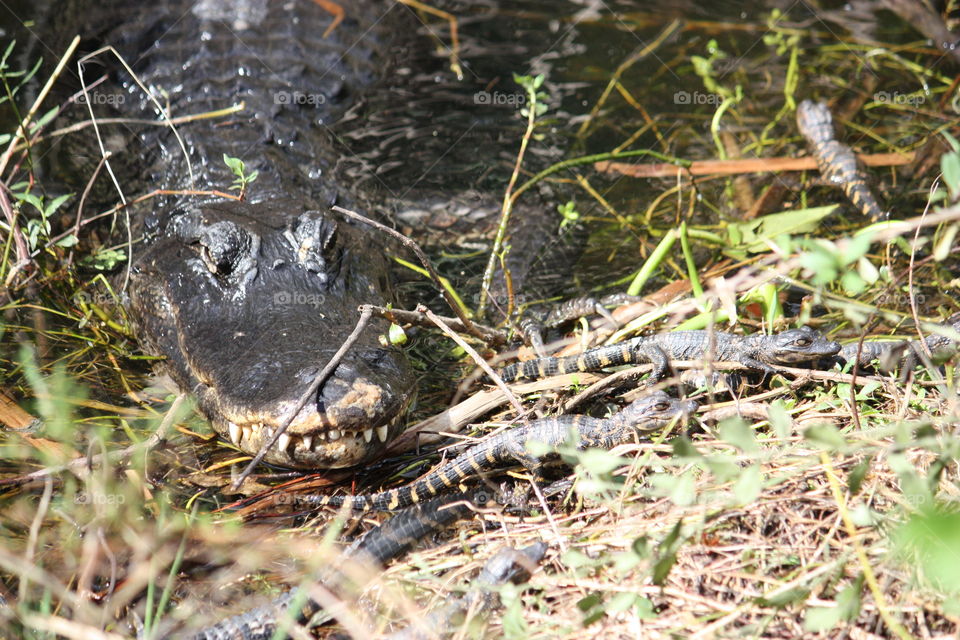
{"x": 740, "y": 434}
{"x": 950, "y": 168}
{"x": 600, "y": 462}
{"x": 235, "y": 165}
{"x": 826, "y": 435}
{"x": 55, "y": 204}
{"x": 396, "y": 335}
{"x": 748, "y": 486}
{"x": 857, "y": 475}
{"x": 780, "y": 419}
{"x": 756, "y": 235}
{"x": 782, "y": 599}
{"x": 67, "y": 241}
{"x": 847, "y": 609}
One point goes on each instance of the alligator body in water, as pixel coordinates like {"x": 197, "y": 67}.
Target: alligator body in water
{"x": 247, "y": 301}
{"x": 837, "y": 163}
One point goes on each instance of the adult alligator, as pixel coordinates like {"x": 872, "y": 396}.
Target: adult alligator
{"x": 246, "y": 301}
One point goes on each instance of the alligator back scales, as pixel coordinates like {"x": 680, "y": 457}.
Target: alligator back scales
{"x": 757, "y": 351}
{"x": 837, "y": 163}
{"x": 647, "y": 413}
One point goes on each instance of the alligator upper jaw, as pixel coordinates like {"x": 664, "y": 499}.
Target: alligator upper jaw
{"x": 312, "y": 440}
{"x": 320, "y": 449}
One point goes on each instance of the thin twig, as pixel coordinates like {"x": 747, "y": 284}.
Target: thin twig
{"x": 473, "y": 354}
{"x": 424, "y": 260}
{"x": 365, "y": 313}
{"x": 491, "y": 336}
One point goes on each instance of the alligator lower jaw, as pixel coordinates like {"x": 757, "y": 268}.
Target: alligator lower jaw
{"x": 330, "y": 448}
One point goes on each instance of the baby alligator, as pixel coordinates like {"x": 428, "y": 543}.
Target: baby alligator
{"x": 389, "y": 540}
{"x": 837, "y": 163}
{"x": 893, "y": 354}
{"x": 645, "y": 414}
{"x": 755, "y": 351}
{"x": 507, "y": 565}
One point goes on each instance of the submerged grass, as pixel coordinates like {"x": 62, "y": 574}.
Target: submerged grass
{"x": 819, "y": 507}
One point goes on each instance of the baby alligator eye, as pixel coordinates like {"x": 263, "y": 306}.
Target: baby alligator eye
{"x": 662, "y": 406}
{"x": 803, "y": 342}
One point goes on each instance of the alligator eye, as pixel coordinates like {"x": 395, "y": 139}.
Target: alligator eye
{"x": 803, "y": 342}
{"x": 311, "y": 237}
{"x": 662, "y": 406}
{"x": 226, "y": 248}
{"x": 221, "y": 263}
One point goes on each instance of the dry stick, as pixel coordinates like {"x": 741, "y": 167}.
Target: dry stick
{"x": 103, "y": 152}
{"x": 34, "y": 534}
{"x": 736, "y": 167}
{"x": 490, "y": 335}
{"x": 23, "y": 251}
{"x": 156, "y": 192}
{"x": 851, "y": 528}
{"x": 204, "y": 115}
{"x": 509, "y": 198}
{"x": 473, "y": 354}
{"x": 422, "y": 257}
{"x": 365, "y": 313}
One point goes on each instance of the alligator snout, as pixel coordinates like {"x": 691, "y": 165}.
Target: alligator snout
{"x": 251, "y": 347}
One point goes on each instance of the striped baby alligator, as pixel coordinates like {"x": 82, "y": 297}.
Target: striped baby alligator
{"x": 758, "y": 352}
{"x": 390, "y": 540}
{"x": 889, "y": 355}
{"x": 648, "y": 413}
{"x": 837, "y": 163}
{"x": 507, "y": 565}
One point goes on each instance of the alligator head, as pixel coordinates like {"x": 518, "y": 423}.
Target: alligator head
{"x": 248, "y": 302}
{"x": 794, "y": 346}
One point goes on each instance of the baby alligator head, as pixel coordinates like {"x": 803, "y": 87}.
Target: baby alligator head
{"x": 794, "y": 346}
{"x": 247, "y": 303}
{"x": 656, "y": 411}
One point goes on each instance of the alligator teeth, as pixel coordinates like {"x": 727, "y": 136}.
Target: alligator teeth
{"x": 284, "y": 442}
{"x": 333, "y": 434}
{"x": 269, "y": 434}
{"x": 307, "y": 442}
{"x": 247, "y": 433}
{"x": 382, "y": 432}
{"x": 367, "y": 435}
{"x": 235, "y": 432}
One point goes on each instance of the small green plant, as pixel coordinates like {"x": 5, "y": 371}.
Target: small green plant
{"x": 243, "y": 179}
{"x": 37, "y": 230}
